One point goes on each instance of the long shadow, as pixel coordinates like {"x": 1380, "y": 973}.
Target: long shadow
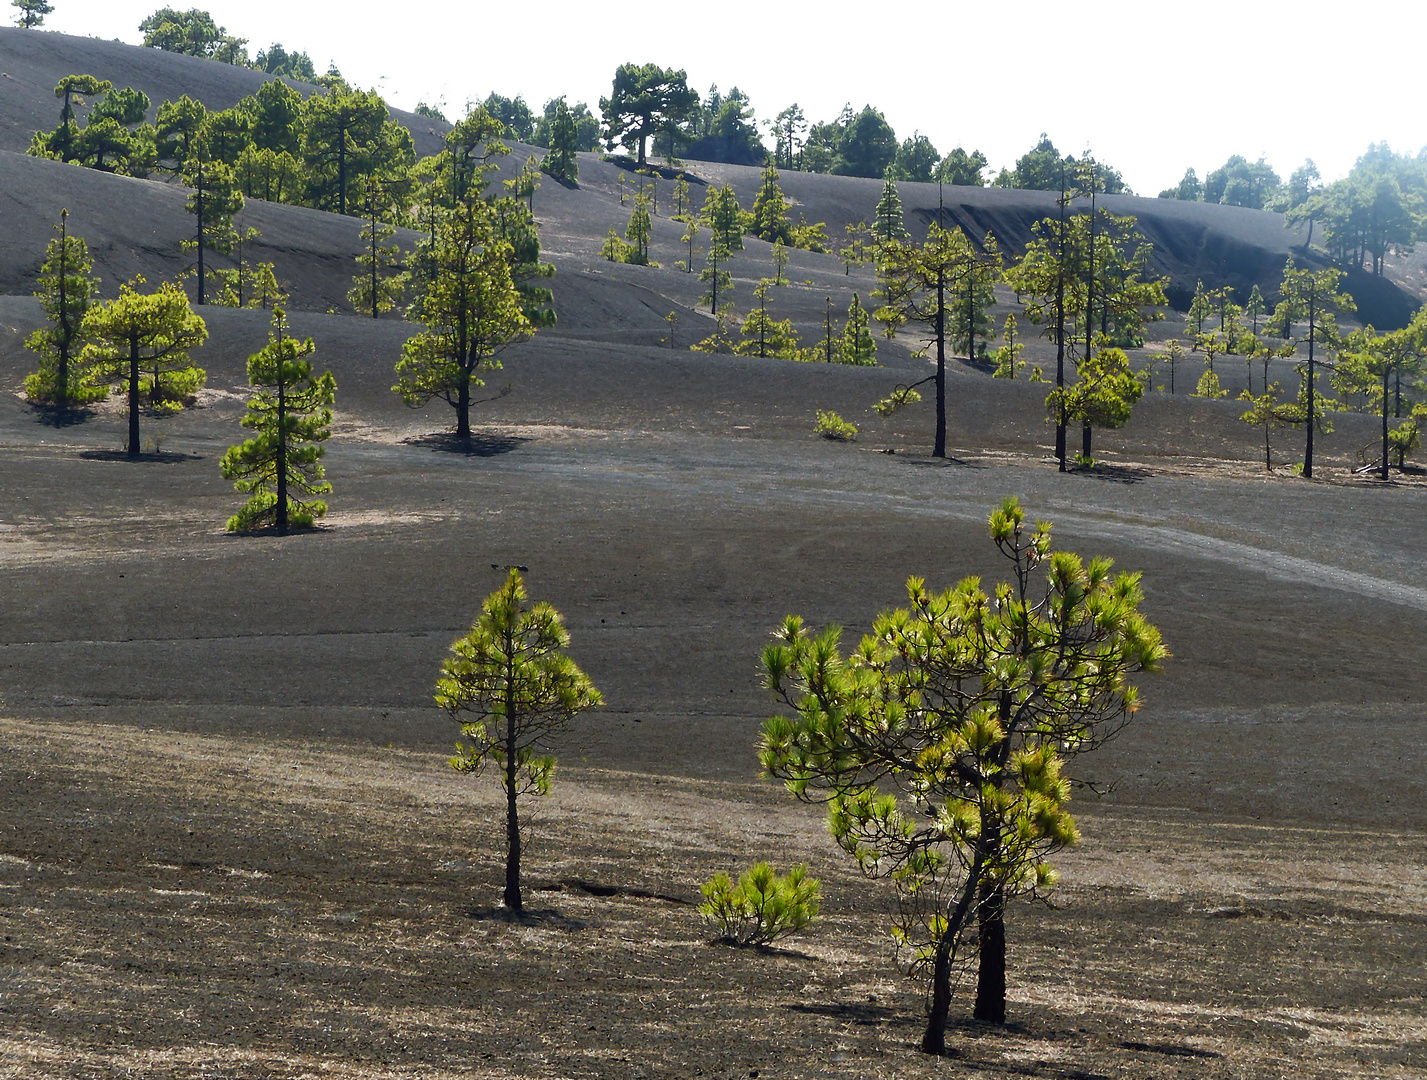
{"x": 478, "y": 445}
{"x": 54, "y": 417}
{"x": 941, "y": 463}
{"x": 150, "y": 458}
{"x": 527, "y": 917}
{"x": 1116, "y": 474}
{"x": 664, "y": 172}
{"x": 858, "y": 1013}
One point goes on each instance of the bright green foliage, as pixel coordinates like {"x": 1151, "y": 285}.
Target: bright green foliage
{"x": 1368, "y": 364}
{"x": 645, "y": 100}
{"x": 1239, "y": 182}
{"x": 244, "y": 284}
{"x": 178, "y": 125}
{"x": 810, "y": 236}
{"x": 858, "y": 345}
{"x": 471, "y": 311}
{"x": 780, "y": 261}
{"x": 614, "y": 249}
{"x": 277, "y": 115}
{"x": 1406, "y": 438}
{"x": 887, "y": 218}
{"x": 31, "y": 12}
{"x": 1103, "y": 394}
{"x": 214, "y": 200}
{"x": 938, "y": 743}
{"x": 896, "y": 400}
{"x": 867, "y": 146}
{"x": 1312, "y": 296}
{"x": 720, "y": 341}
{"x": 380, "y": 285}
{"x": 137, "y": 338}
{"x": 1267, "y": 411}
{"x": 641, "y": 226}
{"x": 1200, "y": 309}
{"x": 65, "y": 293}
{"x": 1255, "y": 308}
{"x": 765, "y": 337}
{"x": 969, "y": 319}
{"x": 291, "y": 413}
{"x": 1209, "y": 386}
{"x": 788, "y": 127}
{"x": 961, "y": 168}
{"x": 511, "y": 687}
{"x": 770, "y": 211}
{"x": 516, "y": 226}
{"x": 192, "y": 32}
{"x": 62, "y": 143}
{"x": 832, "y": 426}
{"x": 917, "y": 160}
{"x": 346, "y": 136}
{"x": 763, "y": 906}
{"x": 857, "y": 251}
{"x": 275, "y": 60}
{"x": 270, "y": 175}
{"x": 1008, "y": 356}
{"x": 723, "y": 216}
{"x": 923, "y": 284}
{"x": 560, "y": 162}
{"x": 716, "y": 279}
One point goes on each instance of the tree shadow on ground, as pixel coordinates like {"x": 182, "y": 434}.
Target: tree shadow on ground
{"x": 1117, "y": 474}
{"x": 664, "y": 172}
{"x": 478, "y": 445}
{"x": 265, "y": 531}
{"x": 857, "y": 1012}
{"x": 54, "y": 417}
{"x": 942, "y": 463}
{"x": 152, "y": 457}
{"x": 595, "y": 888}
{"x": 527, "y": 917}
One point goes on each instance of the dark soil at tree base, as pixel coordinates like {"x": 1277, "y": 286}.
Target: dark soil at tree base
{"x": 230, "y": 844}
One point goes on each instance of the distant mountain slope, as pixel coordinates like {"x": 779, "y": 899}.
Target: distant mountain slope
{"x": 33, "y": 61}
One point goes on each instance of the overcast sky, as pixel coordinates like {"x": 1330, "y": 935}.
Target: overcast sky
{"x": 1151, "y": 88}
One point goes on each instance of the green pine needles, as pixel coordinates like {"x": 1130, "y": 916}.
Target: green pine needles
{"x": 511, "y": 687}
{"x": 763, "y": 906}
{"x": 291, "y": 413}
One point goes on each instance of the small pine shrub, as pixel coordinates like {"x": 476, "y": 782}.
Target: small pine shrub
{"x": 763, "y": 906}
{"x": 832, "y": 426}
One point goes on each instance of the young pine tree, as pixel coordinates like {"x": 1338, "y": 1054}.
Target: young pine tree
{"x": 291, "y": 413}
{"x": 887, "y": 218}
{"x": 770, "y": 210}
{"x": 715, "y": 277}
{"x": 65, "y": 292}
{"x": 380, "y": 285}
{"x": 214, "y": 201}
{"x": 137, "y": 335}
{"x": 641, "y": 227}
{"x": 512, "y": 688}
{"x": 858, "y": 344}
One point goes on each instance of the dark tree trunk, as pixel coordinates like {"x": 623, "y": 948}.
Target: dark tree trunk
{"x": 1060, "y": 330}
{"x": 134, "y": 397}
{"x": 991, "y": 971}
{"x": 512, "y": 820}
{"x": 1085, "y": 442}
{"x": 939, "y": 450}
{"x": 1312, "y": 394}
{"x": 201, "y": 274}
{"x": 281, "y": 508}
{"x": 1384, "y": 424}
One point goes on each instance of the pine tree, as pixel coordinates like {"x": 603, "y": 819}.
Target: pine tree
{"x": 780, "y": 260}
{"x": 141, "y": 335}
{"x": 214, "y": 201}
{"x": 291, "y": 413}
{"x": 1105, "y": 391}
{"x": 561, "y": 162}
{"x": 1255, "y": 308}
{"x": 471, "y": 310}
{"x": 939, "y": 742}
{"x": 512, "y": 688}
{"x": 381, "y": 285}
{"x": 970, "y": 315}
{"x": 715, "y": 277}
{"x": 1313, "y": 297}
{"x": 723, "y": 216}
{"x": 682, "y": 204}
{"x": 762, "y": 335}
{"x": 1008, "y": 356}
{"x": 770, "y": 211}
{"x": 65, "y": 292}
{"x": 1268, "y": 412}
{"x": 31, "y": 12}
{"x": 1200, "y": 309}
{"x": 691, "y": 233}
{"x": 517, "y": 227}
{"x": 858, "y": 344}
{"x": 887, "y": 218}
{"x": 640, "y": 228}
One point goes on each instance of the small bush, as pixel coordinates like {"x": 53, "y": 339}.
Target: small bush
{"x": 762, "y": 906}
{"x": 832, "y": 426}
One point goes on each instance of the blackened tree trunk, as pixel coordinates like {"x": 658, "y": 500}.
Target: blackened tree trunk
{"x": 1085, "y": 442}
{"x": 512, "y": 820}
{"x": 939, "y": 450}
{"x": 134, "y": 395}
{"x": 1384, "y": 423}
{"x": 1312, "y": 391}
{"x": 991, "y": 971}
{"x": 281, "y": 520}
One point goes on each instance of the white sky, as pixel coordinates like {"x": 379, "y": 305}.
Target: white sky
{"x": 1149, "y": 87}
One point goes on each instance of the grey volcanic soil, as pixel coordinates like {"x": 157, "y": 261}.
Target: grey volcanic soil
{"x": 231, "y": 846}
